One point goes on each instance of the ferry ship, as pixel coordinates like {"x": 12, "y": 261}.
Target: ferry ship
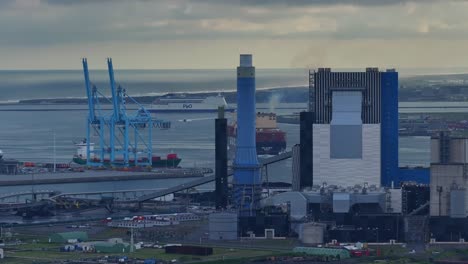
{"x": 270, "y": 140}
{"x": 183, "y": 103}
{"x": 170, "y": 161}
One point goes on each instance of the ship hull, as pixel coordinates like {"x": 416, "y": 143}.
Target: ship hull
{"x": 263, "y": 148}
{"x": 265, "y": 145}
{"x": 270, "y": 148}
{"x": 269, "y": 139}
{"x": 189, "y": 104}
{"x": 162, "y": 163}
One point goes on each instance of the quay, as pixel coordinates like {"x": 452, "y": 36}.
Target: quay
{"x": 97, "y": 176}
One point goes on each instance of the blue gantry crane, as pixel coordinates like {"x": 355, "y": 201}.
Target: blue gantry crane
{"x": 130, "y": 135}
{"x": 124, "y": 139}
{"x": 98, "y": 121}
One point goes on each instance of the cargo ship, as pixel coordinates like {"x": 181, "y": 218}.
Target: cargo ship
{"x": 270, "y": 140}
{"x": 170, "y": 161}
{"x": 183, "y": 103}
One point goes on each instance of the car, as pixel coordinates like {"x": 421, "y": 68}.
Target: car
{"x": 123, "y": 259}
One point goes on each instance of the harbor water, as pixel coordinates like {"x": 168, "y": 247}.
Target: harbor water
{"x": 28, "y": 135}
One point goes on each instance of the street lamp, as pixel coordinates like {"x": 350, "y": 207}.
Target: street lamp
{"x": 32, "y": 186}
{"x": 55, "y": 160}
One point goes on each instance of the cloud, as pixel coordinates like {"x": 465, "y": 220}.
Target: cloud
{"x": 230, "y": 25}
{"x": 58, "y": 24}
{"x": 321, "y": 2}
{"x": 27, "y": 3}
{"x": 78, "y": 2}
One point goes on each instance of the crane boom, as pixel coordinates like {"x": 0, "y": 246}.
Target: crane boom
{"x": 115, "y": 99}
{"x": 89, "y": 93}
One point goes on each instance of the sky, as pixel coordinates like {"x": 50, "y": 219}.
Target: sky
{"x": 208, "y": 34}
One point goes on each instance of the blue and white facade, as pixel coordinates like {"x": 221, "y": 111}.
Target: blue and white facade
{"x": 355, "y": 138}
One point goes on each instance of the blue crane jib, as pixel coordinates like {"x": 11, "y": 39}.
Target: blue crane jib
{"x": 124, "y": 140}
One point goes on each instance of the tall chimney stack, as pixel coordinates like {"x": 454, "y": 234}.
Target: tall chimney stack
{"x": 247, "y": 181}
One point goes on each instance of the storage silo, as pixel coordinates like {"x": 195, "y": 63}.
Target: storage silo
{"x": 312, "y": 233}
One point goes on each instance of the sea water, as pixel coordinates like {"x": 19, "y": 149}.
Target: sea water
{"x": 29, "y": 135}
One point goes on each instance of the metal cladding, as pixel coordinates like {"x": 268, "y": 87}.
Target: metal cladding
{"x": 389, "y": 128}
{"x": 221, "y": 180}
{"x": 306, "y": 141}
{"x": 369, "y": 82}
{"x": 247, "y": 185}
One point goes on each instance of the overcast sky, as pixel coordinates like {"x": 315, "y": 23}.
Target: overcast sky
{"x": 159, "y": 34}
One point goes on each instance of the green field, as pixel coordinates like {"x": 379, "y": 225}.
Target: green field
{"x": 45, "y": 253}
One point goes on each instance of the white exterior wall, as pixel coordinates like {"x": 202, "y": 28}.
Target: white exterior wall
{"x": 347, "y": 172}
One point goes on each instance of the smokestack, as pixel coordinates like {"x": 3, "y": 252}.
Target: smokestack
{"x": 306, "y": 149}
{"x": 221, "y": 182}
{"x": 247, "y": 185}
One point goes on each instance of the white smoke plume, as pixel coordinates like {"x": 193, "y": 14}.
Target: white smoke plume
{"x": 275, "y": 99}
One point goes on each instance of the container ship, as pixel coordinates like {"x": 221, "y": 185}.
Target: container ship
{"x": 270, "y": 139}
{"x": 182, "y": 103}
{"x": 170, "y": 161}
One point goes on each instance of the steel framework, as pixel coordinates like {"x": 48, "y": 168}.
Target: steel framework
{"x": 127, "y": 137}
{"x": 124, "y": 139}
{"x": 98, "y": 121}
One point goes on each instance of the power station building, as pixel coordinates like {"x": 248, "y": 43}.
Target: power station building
{"x": 355, "y": 127}
{"x": 449, "y": 176}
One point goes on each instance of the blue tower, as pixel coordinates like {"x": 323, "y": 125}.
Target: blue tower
{"x": 389, "y": 128}
{"x": 247, "y": 183}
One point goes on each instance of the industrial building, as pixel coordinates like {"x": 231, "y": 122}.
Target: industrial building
{"x": 346, "y": 182}
{"x": 223, "y": 226}
{"x": 448, "y": 185}
{"x": 355, "y": 128}
{"x": 449, "y": 176}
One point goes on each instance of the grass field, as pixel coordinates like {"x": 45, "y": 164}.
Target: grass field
{"x": 44, "y": 253}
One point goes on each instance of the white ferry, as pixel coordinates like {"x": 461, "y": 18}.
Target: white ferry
{"x": 188, "y": 104}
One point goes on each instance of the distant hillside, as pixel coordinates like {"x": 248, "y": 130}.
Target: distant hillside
{"x": 287, "y": 94}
